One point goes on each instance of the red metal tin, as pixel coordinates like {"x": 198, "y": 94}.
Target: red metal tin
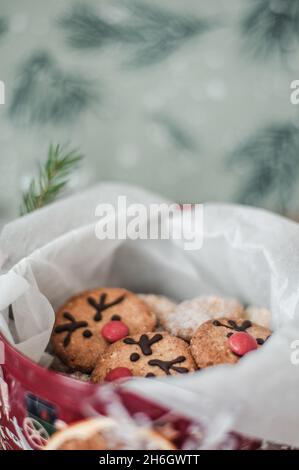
{"x": 39, "y": 400}
{"x": 35, "y": 401}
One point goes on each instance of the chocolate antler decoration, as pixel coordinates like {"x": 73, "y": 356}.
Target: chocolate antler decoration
{"x": 145, "y": 343}
{"x": 167, "y": 366}
{"x": 232, "y": 325}
{"x": 102, "y": 305}
{"x": 70, "y": 327}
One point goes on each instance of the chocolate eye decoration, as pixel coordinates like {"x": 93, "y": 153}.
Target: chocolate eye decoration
{"x": 134, "y": 357}
{"x": 116, "y": 318}
{"x": 87, "y": 334}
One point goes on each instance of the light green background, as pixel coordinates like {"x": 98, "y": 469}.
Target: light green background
{"x": 209, "y": 88}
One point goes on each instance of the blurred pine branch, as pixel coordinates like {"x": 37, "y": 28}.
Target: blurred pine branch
{"x": 162, "y": 31}
{"x": 44, "y": 94}
{"x": 270, "y": 26}
{"x": 269, "y": 164}
{"x": 153, "y": 32}
{"x": 86, "y": 30}
{"x": 3, "y": 25}
{"x": 53, "y": 177}
{"x": 179, "y": 135}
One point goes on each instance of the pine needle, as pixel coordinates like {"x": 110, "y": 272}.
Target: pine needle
{"x": 53, "y": 177}
{"x": 271, "y": 26}
{"x": 152, "y": 32}
{"x": 269, "y": 163}
{"x": 3, "y": 25}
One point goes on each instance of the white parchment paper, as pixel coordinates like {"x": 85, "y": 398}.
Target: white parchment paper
{"x": 247, "y": 253}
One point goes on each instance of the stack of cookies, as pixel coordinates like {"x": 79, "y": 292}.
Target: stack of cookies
{"x": 112, "y": 333}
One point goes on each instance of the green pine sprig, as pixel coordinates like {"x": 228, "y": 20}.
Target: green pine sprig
{"x": 53, "y": 177}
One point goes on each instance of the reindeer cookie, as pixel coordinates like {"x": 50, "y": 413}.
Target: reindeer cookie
{"x": 223, "y": 340}
{"x": 146, "y": 355}
{"x": 92, "y": 320}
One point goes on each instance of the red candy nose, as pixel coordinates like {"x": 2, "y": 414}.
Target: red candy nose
{"x": 118, "y": 373}
{"x": 241, "y": 343}
{"x": 114, "y": 331}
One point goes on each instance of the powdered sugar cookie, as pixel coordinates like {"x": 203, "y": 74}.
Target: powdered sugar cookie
{"x": 159, "y": 304}
{"x": 261, "y": 316}
{"x": 184, "y": 320}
